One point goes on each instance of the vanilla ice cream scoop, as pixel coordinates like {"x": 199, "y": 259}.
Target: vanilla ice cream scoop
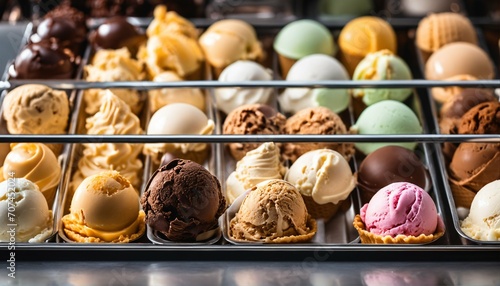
{"x": 36, "y": 163}
{"x": 32, "y": 214}
{"x": 230, "y": 98}
{"x": 312, "y": 68}
{"x": 258, "y": 165}
{"x": 104, "y": 208}
{"x": 36, "y": 109}
{"x": 483, "y": 222}
{"x": 179, "y": 119}
{"x": 324, "y": 175}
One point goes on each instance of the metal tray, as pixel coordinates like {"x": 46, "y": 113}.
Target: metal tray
{"x": 450, "y": 245}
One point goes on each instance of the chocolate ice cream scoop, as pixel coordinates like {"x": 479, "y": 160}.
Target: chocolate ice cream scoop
{"x": 183, "y": 201}
{"x": 115, "y": 33}
{"x": 316, "y": 120}
{"x": 473, "y": 166}
{"x": 43, "y": 60}
{"x": 457, "y": 106}
{"x": 484, "y": 118}
{"x": 388, "y": 165}
{"x": 252, "y": 119}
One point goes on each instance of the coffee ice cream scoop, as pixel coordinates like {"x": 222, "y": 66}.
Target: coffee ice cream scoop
{"x": 273, "y": 212}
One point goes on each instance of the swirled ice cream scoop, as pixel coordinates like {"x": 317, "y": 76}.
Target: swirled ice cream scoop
{"x": 113, "y": 65}
{"x": 114, "y": 117}
{"x": 36, "y": 163}
{"x": 258, "y": 165}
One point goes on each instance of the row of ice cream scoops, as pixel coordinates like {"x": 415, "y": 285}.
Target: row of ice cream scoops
{"x": 443, "y": 40}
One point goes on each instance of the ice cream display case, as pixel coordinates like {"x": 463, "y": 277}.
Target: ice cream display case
{"x": 241, "y": 134}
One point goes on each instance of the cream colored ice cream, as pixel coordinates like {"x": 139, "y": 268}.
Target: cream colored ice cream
{"x": 172, "y": 46}
{"x": 36, "y": 163}
{"x": 114, "y": 118}
{"x": 104, "y": 208}
{"x": 450, "y": 60}
{"x": 161, "y": 97}
{"x": 273, "y": 212}
{"x": 32, "y": 214}
{"x": 322, "y": 174}
{"x": 483, "y": 221}
{"x": 36, "y": 109}
{"x": 312, "y": 68}
{"x": 229, "y": 40}
{"x": 178, "y": 119}
{"x": 444, "y": 94}
{"x": 437, "y": 30}
{"x": 113, "y": 65}
{"x": 230, "y": 98}
{"x": 258, "y": 165}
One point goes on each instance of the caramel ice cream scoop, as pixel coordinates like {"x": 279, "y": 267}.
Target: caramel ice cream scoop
{"x": 36, "y": 163}
{"x": 104, "y": 208}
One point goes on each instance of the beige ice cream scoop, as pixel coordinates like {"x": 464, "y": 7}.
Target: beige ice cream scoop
{"x": 113, "y": 65}
{"x": 261, "y": 164}
{"x": 273, "y": 212}
{"x": 437, "y": 30}
{"x": 104, "y": 208}
{"x": 179, "y": 119}
{"x": 36, "y": 109}
{"x": 229, "y": 40}
{"x": 36, "y": 163}
{"x": 32, "y": 214}
{"x": 161, "y": 97}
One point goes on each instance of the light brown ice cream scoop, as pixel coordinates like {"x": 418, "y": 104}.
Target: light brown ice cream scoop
{"x": 36, "y": 109}
{"x": 437, "y": 30}
{"x": 273, "y": 212}
{"x": 320, "y": 121}
{"x": 252, "y": 119}
{"x": 104, "y": 208}
{"x": 459, "y": 58}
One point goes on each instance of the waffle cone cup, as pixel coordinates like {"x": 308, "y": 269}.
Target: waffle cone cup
{"x": 324, "y": 211}
{"x": 461, "y": 195}
{"x": 371, "y": 238}
{"x": 285, "y": 65}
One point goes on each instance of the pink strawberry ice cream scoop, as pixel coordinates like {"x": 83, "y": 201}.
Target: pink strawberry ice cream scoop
{"x": 400, "y": 208}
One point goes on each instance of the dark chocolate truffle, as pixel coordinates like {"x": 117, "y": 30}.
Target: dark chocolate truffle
{"x": 43, "y": 60}
{"x": 116, "y": 33}
{"x": 388, "y": 165}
